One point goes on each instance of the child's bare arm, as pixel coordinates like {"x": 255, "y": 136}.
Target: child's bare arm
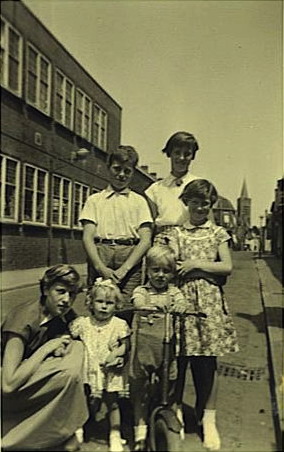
{"x": 145, "y": 234}
{"x": 223, "y": 267}
{"x": 89, "y": 233}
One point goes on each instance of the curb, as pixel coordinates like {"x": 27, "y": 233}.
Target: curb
{"x": 20, "y": 279}
{"x": 272, "y": 299}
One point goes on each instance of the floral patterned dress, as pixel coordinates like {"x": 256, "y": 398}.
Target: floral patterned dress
{"x": 214, "y": 335}
{"x": 98, "y": 339}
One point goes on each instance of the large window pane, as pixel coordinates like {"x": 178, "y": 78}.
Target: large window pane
{"x": 35, "y": 192}
{"x": 9, "y": 188}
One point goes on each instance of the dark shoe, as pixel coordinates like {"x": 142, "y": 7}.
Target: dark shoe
{"x": 71, "y": 445}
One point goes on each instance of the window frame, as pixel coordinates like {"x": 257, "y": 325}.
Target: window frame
{"x": 34, "y": 195}
{"x": 64, "y": 100}
{"x": 4, "y": 184}
{"x": 40, "y": 56}
{"x": 81, "y": 202}
{"x": 102, "y": 131}
{"x": 69, "y": 198}
{"x": 81, "y": 132}
{"x": 7, "y": 55}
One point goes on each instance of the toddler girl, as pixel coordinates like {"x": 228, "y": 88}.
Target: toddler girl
{"x": 106, "y": 340}
{"x": 203, "y": 260}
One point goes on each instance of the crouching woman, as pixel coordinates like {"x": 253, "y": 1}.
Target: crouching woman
{"x": 43, "y": 402}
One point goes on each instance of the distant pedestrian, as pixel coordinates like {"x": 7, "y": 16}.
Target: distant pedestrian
{"x": 148, "y": 333}
{"x": 117, "y": 225}
{"x": 164, "y": 195}
{"x": 204, "y": 260}
{"x": 106, "y": 341}
{"x": 43, "y": 401}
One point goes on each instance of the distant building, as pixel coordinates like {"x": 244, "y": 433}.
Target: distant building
{"x": 51, "y": 108}
{"x": 243, "y": 216}
{"x": 244, "y": 207}
{"x": 225, "y": 214}
{"x": 274, "y": 220}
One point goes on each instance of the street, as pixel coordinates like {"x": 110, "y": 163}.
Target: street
{"x": 244, "y": 407}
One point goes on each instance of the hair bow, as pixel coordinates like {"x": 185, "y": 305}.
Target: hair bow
{"x": 100, "y": 282}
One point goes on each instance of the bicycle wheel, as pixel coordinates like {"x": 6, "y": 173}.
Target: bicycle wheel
{"x": 166, "y": 440}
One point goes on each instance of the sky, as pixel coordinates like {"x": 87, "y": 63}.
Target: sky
{"x": 212, "y": 68}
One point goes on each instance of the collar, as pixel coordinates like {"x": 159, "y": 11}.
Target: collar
{"x": 171, "y": 180}
{"x": 147, "y": 285}
{"x": 109, "y": 191}
{"x": 205, "y": 225}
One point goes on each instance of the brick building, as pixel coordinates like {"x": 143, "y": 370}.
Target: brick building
{"x": 51, "y": 109}
{"x": 274, "y": 221}
{"x": 225, "y": 215}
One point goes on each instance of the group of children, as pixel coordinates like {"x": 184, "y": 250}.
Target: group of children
{"x": 184, "y": 273}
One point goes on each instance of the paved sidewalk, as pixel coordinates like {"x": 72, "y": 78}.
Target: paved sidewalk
{"x": 255, "y": 295}
{"x": 18, "y": 279}
{"x": 271, "y": 286}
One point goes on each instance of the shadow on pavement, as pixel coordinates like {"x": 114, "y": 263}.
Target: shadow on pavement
{"x": 275, "y": 265}
{"x": 274, "y": 317}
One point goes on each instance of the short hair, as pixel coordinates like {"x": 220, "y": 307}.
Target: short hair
{"x": 124, "y": 154}
{"x": 60, "y": 273}
{"x": 199, "y": 188}
{"x": 180, "y": 139}
{"x": 158, "y": 253}
{"x": 109, "y": 288}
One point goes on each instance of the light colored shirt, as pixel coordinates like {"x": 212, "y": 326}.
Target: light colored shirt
{"x": 165, "y": 195}
{"x": 116, "y": 214}
{"x": 146, "y": 295}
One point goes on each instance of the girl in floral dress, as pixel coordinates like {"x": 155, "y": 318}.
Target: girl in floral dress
{"x": 106, "y": 340}
{"x": 204, "y": 261}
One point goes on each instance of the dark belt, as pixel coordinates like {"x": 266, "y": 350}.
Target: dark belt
{"x": 129, "y": 242}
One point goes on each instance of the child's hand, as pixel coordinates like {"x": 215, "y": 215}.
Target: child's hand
{"x": 107, "y": 273}
{"x": 179, "y": 308}
{"x": 112, "y": 345}
{"x": 119, "y": 274}
{"x": 186, "y": 266}
{"x": 112, "y": 360}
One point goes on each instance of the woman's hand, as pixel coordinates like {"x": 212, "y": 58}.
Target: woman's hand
{"x": 57, "y": 346}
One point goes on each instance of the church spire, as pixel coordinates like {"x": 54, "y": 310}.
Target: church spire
{"x": 244, "y": 192}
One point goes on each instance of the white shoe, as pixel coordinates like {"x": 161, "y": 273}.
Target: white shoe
{"x": 210, "y": 433}
{"x": 179, "y": 415}
{"x": 115, "y": 444}
{"x": 80, "y": 435}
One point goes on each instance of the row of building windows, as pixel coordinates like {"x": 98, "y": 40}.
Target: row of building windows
{"x": 72, "y": 107}
{"x": 67, "y": 196}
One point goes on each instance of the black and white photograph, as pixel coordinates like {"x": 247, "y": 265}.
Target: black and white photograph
{"x": 141, "y": 225}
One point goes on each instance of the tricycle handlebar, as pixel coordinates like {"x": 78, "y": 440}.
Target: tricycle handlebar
{"x": 153, "y": 309}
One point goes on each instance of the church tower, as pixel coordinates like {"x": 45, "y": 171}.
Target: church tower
{"x": 244, "y": 207}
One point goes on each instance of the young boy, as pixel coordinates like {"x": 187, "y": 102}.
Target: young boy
{"x": 148, "y": 333}
{"x": 117, "y": 226}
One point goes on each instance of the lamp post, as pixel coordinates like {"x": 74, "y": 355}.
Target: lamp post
{"x": 260, "y": 236}
{"x": 78, "y": 155}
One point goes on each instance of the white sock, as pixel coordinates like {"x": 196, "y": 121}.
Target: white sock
{"x": 140, "y": 432}
{"x": 211, "y": 436}
{"x": 179, "y": 415}
{"x": 115, "y": 441}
